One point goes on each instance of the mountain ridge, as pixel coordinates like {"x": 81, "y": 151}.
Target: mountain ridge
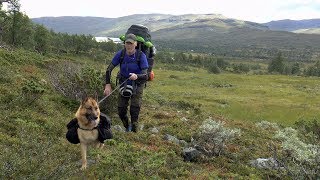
{"x": 207, "y": 33}
{"x": 155, "y": 22}
{"x": 293, "y": 25}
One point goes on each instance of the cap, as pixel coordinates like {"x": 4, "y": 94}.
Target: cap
{"x": 131, "y": 38}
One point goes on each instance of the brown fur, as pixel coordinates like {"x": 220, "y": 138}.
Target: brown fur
{"x": 89, "y": 136}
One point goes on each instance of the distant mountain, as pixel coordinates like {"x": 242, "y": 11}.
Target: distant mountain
{"x": 75, "y": 24}
{"x": 293, "y": 25}
{"x": 209, "y": 33}
{"x": 99, "y": 26}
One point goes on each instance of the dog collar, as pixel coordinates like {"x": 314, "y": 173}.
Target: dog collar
{"x": 88, "y": 129}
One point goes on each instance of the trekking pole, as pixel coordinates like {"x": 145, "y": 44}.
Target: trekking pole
{"x": 113, "y": 90}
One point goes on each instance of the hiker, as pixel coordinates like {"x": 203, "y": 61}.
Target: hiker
{"x": 132, "y": 77}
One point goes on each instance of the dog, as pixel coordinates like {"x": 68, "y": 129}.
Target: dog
{"x": 88, "y": 117}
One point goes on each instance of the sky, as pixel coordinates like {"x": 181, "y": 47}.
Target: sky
{"x": 259, "y": 11}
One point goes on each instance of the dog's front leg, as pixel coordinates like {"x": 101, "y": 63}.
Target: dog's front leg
{"x": 83, "y": 155}
{"x": 99, "y": 146}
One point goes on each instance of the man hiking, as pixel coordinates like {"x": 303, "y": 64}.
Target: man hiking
{"x": 132, "y": 77}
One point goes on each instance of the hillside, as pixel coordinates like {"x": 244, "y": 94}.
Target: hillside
{"x": 207, "y": 33}
{"x": 99, "y": 26}
{"x": 293, "y": 25}
{"x": 35, "y": 114}
{"x": 308, "y": 31}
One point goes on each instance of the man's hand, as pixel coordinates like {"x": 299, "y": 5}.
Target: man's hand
{"x": 133, "y": 76}
{"x": 107, "y": 89}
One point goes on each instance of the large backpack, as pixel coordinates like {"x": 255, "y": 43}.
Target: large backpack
{"x": 144, "y": 45}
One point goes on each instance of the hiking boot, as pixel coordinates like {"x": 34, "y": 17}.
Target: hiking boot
{"x": 129, "y": 128}
{"x": 135, "y": 127}
{"x": 122, "y": 112}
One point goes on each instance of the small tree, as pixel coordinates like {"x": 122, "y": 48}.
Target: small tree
{"x": 277, "y": 64}
{"x": 241, "y": 68}
{"x": 42, "y": 38}
{"x": 213, "y": 68}
{"x": 109, "y": 46}
{"x": 313, "y": 70}
{"x": 221, "y": 63}
{"x": 295, "y": 68}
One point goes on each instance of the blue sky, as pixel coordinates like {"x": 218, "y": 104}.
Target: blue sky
{"x": 251, "y": 10}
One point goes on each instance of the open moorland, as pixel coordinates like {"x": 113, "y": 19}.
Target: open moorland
{"x": 178, "y": 102}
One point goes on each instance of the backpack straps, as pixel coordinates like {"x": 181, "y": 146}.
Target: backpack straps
{"x": 138, "y": 60}
{"x": 122, "y": 55}
{"x": 138, "y": 53}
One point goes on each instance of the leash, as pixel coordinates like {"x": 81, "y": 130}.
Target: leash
{"x": 113, "y": 90}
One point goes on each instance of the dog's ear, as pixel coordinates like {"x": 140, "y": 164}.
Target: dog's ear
{"x": 84, "y": 98}
{"x": 95, "y": 96}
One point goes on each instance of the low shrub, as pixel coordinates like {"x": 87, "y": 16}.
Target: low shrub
{"x": 213, "y": 68}
{"x": 32, "y": 90}
{"x": 75, "y": 81}
{"x": 301, "y": 160}
{"x": 213, "y": 137}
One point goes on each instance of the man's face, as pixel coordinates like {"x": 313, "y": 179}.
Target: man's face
{"x": 130, "y": 47}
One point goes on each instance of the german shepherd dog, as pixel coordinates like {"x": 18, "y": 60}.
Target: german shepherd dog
{"x": 88, "y": 116}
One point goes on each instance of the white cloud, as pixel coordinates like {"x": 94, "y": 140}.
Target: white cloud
{"x": 251, "y": 10}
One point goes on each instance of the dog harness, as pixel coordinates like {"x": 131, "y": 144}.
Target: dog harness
{"x": 104, "y": 129}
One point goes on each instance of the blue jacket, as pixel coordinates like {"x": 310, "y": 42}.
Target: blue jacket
{"x": 130, "y": 64}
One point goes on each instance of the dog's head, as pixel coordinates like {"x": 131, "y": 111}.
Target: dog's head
{"x": 88, "y": 113}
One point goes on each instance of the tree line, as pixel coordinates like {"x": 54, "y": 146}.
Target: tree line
{"x": 235, "y": 49}
{"x": 217, "y": 64}
{"x": 17, "y": 30}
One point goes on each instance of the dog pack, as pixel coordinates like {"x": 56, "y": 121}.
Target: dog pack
{"x": 104, "y": 130}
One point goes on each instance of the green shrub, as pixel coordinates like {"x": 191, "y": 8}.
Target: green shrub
{"x": 311, "y": 128}
{"x": 213, "y": 68}
{"x": 32, "y": 86}
{"x": 32, "y": 90}
{"x": 267, "y": 125}
{"x": 74, "y": 81}
{"x": 213, "y": 137}
{"x": 19, "y": 56}
{"x": 196, "y": 108}
{"x": 6, "y": 76}
{"x": 300, "y": 159}
{"x": 241, "y": 68}
{"x": 179, "y": 67}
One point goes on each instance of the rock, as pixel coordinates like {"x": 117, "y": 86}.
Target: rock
{"x": 184, "y": 119}
{"x": 183, "y": 143}
{"x": 263, "y": 163}
{"x": 171, "y": 138}
{"x": 118, "y": 128}
{"x": 141, "y": 126}
{"x": 190, "y": 154}
{"x": 154, "y": 131}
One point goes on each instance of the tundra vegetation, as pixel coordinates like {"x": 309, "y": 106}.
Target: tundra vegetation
{"x": 246, "y": 118}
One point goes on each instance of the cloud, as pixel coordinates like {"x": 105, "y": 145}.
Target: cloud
{"x": 298, "y": 9}
{"x": 250, "y": 10}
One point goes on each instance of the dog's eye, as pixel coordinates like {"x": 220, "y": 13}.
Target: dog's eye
{"x": 96, "y": 108}
{"x": 88, "y": 108}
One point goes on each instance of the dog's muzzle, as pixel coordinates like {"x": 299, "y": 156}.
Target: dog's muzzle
{"x": 91, "y": 117}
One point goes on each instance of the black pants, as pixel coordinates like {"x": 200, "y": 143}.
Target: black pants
{"x": 135, "y": 104}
